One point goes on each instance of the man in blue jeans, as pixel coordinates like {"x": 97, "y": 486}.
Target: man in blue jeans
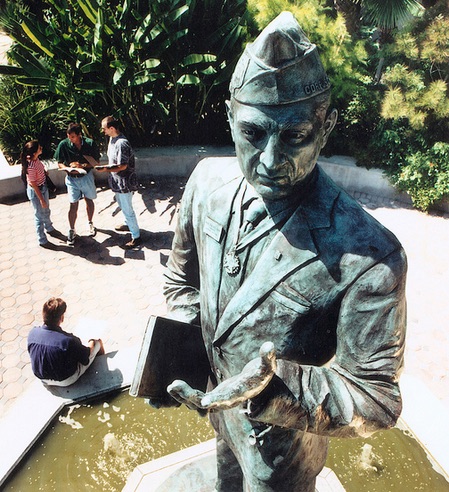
{"x": 122, "y": 176}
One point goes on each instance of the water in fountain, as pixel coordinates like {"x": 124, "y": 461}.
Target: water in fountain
{"x": 95, "y": 447}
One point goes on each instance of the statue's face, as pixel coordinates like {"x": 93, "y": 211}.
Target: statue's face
{"x": 278, "y": 146}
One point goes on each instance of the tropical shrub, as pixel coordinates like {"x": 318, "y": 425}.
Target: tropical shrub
{"x": 19, "y": 125}
{"x": 161, "y": 66}
{"x": 425, "y": 175}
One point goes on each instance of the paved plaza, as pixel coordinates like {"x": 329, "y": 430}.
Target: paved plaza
{"x": 110, "y": 292}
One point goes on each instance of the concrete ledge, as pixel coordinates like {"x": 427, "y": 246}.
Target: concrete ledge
{"x": 344, "y": 171}
{"x": 180, "y": 162}
{"x": 425, "y": 417}
{"x": 150, "y": 162}
{"x": 36, "y": 408}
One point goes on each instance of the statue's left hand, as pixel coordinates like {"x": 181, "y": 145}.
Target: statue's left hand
{"x": 253, "y": 379}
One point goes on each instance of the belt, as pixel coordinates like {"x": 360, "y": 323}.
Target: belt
{"x": 77, "y": 175}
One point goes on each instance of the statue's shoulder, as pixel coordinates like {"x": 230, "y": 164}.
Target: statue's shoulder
{"x": 350, "y": 220}
{"x": 213, "y": 172}
{"x": 358, "y": 223}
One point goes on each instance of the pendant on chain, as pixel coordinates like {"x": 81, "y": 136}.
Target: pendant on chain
{"x": 231, "y": 263}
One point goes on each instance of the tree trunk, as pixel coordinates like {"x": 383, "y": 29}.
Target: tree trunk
{"x": 351, "y": 13}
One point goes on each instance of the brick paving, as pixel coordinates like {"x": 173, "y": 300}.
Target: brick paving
{"x": 111, "y": 292}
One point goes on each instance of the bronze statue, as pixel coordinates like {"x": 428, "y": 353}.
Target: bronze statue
{"x": 299, "y": 292}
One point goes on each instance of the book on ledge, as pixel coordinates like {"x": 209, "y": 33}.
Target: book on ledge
{"x": 170, "y": 350}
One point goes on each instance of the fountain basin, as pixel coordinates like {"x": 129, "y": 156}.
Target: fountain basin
{"x": 423, "y": 416}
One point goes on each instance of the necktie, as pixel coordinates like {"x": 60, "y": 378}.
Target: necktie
{"x": 252, "y": 216}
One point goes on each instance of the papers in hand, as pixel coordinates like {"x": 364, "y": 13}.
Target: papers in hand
{"x": 91, "y": 160}
{"x": 107, "y": 166}
{"x": 69, "y": 170}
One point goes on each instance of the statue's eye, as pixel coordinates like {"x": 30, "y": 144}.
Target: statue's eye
{"x": 293, "y": 136}
{"x": 252, "y": 133}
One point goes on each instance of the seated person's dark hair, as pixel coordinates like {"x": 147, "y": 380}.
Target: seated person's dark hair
{"x": 53, "y": 310}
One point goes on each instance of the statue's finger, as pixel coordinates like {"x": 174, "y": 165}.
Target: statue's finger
{"x": 179, "y": 390}
{"x": 267, "y": 351}
{"x": 185, "y": 394}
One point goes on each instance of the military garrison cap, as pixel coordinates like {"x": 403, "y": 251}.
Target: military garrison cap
{"x": 280, "y": 67}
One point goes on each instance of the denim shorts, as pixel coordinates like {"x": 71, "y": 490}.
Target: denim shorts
{"x": 83, "y": 187}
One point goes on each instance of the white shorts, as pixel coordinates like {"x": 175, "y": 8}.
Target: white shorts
{"x": 79, "y": 371}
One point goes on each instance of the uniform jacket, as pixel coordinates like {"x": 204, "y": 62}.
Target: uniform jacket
{"x": 328, "y": 291}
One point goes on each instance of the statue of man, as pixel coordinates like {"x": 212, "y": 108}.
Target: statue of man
{"x": 299, "y": 292}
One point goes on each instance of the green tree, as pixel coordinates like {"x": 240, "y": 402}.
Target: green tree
{"x": 18, "y": 126}
{"x": 385, "y": 15}
{"x": 411, "y": 140}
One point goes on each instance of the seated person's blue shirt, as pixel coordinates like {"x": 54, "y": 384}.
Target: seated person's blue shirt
{"x": 54, "y": 353}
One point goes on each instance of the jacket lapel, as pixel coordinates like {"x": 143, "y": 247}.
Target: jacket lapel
{"x": 219, "y": 213}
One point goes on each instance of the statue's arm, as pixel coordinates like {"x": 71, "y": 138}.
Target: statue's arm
{"x": 181, "y": 287}
{"x": 358, "y": 393}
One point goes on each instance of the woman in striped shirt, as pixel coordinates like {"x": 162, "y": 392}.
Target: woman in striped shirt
{"x": 34, "y": 172}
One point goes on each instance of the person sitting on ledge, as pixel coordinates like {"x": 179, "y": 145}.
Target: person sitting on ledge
{"x": 59, "y": 358}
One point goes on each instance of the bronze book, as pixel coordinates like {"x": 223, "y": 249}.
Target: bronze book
{"x": 170, "y": 350}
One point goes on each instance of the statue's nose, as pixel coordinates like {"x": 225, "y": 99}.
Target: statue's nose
{"x": 272, "y": 156}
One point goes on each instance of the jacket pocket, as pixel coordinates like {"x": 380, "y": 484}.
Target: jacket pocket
{"x": 286, "y": 295}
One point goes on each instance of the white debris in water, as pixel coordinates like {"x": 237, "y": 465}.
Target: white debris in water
{"x": 366, "y": 460}
{"x": 103, "y": 416}
{"x": 74, "y": 424}
{"x": 112, "y": 444}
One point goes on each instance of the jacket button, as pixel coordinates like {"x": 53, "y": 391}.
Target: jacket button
{"x": 218, "y": 351}
{"x": 218, "y": 374}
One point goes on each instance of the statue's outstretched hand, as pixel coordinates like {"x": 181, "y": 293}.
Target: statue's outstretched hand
{"x": 253, "y": 379}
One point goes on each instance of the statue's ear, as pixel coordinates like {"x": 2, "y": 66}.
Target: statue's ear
{"x": 230, "y": 118}
{"x": 329, "y": 125}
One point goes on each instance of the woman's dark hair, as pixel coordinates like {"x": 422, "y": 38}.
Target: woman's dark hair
{"x": 28, "y": 150}
{"x": 53, "y": 310}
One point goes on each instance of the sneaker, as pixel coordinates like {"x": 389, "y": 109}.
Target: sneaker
{"x": 122, "y": 228}
{"x": 133, "y": 243}
{"x": 71, "y": 237}
{"x": 92, "y": 230}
